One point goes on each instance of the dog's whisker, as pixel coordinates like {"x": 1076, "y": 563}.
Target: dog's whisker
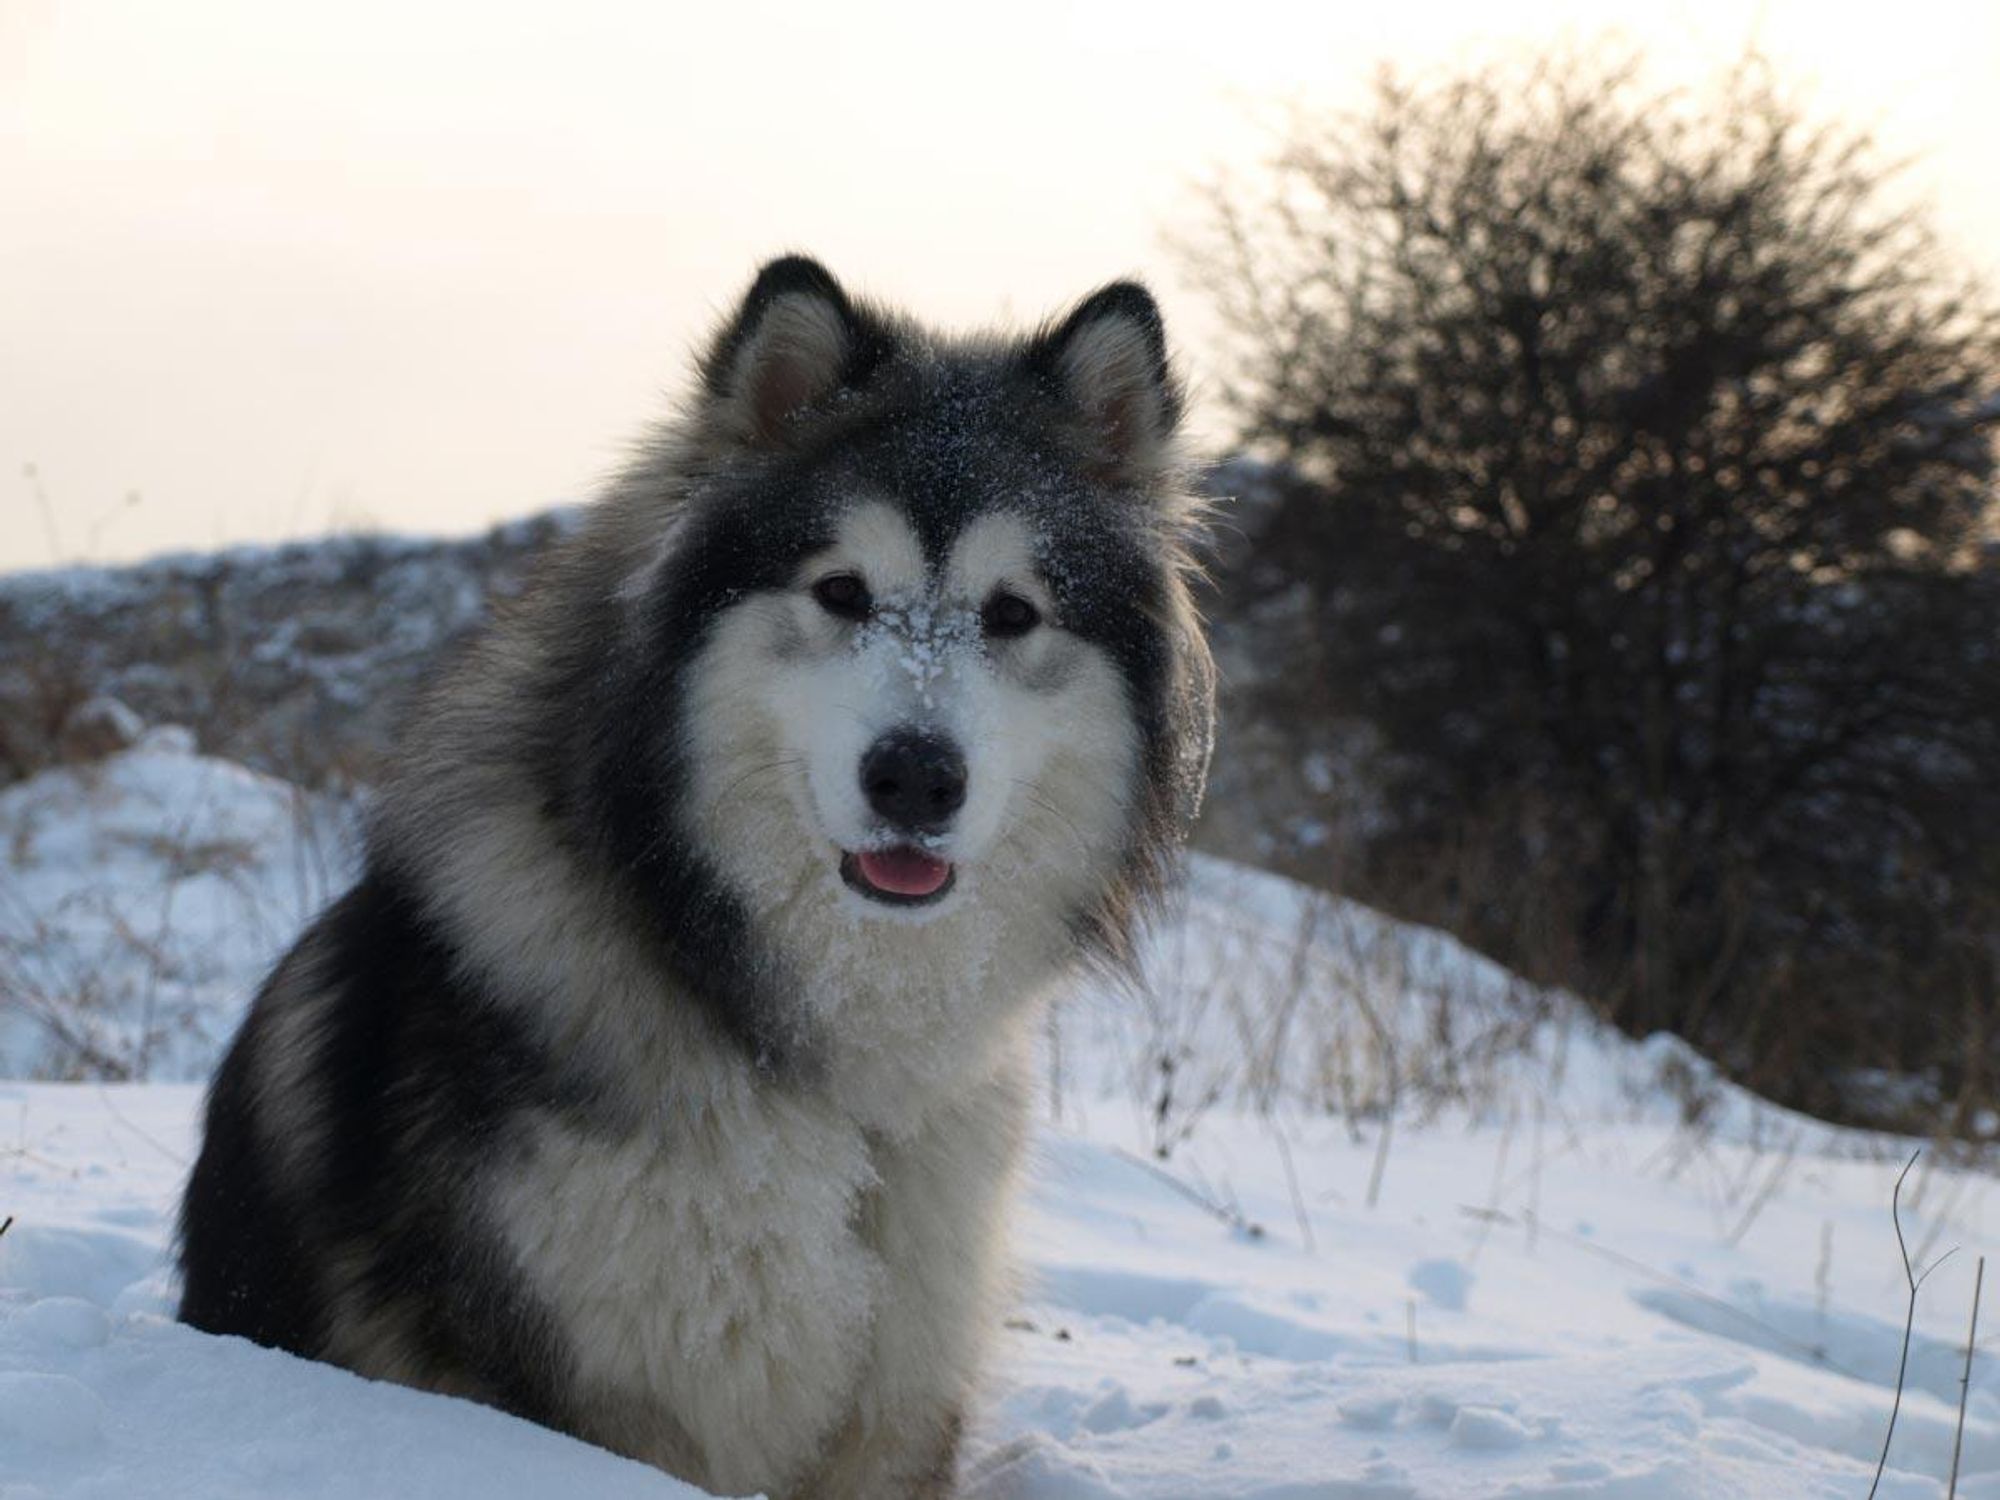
{"x": 1040, "y": 799}
{"x": 769, "y": 768}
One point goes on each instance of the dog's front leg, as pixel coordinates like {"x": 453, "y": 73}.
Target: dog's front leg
{"x": 938, "y": 1223}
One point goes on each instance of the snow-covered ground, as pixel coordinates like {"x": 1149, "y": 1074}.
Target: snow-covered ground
{"x": 142, "y": 897}
{"x": 1417, "y": 1231}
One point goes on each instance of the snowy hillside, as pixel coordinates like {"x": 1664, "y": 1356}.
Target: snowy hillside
{"x": 1325, "y": 1209}
{"x": 294, "y": 659}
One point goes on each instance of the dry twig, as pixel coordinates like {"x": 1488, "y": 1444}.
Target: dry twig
{"x": 1916, "y": 1282}
{"x": 1228, "y": 1213}
{"x": 1965, "y": 1380}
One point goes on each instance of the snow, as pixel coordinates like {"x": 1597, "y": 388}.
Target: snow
{"x": 141, "y": 899}
{"x": 1327, "y": 1208}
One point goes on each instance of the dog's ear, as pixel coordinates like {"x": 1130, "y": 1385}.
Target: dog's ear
{"x": 795, "y": 341}
{"x": 1107, "y": 361}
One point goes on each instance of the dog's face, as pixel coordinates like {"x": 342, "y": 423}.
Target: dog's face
{"x": 946, "y": 662}
{"x": 921, "y": 724}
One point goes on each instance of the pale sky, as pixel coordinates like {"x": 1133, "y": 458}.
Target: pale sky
{"x": 276, "y": 268}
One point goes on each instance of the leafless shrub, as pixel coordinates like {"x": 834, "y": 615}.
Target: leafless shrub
{"x": 1640, "y": 457}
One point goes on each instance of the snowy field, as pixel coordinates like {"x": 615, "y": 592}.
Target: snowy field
{"x": 1326, "y": 1209}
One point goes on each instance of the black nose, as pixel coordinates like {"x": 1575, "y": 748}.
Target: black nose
{"x": 915, "y": 781}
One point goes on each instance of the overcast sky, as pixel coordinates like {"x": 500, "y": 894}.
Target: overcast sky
{"x": 269, "y": 268}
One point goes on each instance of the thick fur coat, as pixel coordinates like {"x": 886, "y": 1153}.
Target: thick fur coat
{"x": 663, "y": 1077}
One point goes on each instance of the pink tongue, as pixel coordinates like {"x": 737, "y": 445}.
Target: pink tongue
{"x": 904, "y": 872}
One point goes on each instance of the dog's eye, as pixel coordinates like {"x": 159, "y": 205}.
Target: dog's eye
{"x": 1009, "y": 615}
{"x": 843, "y": 594}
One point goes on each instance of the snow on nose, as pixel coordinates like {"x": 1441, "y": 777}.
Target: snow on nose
{"x": 927, "y": 641}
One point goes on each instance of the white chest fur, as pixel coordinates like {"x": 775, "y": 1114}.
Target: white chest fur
{"x": 710, "y": 1280}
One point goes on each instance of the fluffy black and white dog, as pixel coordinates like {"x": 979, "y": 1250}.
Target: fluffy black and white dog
{"x": 663, "y": 1077}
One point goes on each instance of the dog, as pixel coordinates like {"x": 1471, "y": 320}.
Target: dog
{"x": 663, "y": 1077}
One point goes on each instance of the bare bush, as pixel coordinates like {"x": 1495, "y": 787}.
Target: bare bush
{"x": 1643, "y": 464}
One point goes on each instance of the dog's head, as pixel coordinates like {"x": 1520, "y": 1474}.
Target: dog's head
{"x": 923, "y": 605}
